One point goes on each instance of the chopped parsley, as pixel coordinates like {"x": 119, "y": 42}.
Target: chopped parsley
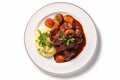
{"x": 65, "y": 39}
{"x": 58, "y": 19}
{"x": 42, "y": 39}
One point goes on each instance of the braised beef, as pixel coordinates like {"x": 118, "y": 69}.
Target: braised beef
{"x": 61, "y": 48}
{"x": 78, "y": 32}
{"x": 75, "y": 47}
{"x": 53, "y": 32}
{"x": 57, "y": 42}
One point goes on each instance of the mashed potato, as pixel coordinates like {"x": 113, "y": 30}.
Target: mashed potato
{"x": 44, "y": 51}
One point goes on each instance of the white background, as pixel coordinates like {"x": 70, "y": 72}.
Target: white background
{"x": 14, "y": 61}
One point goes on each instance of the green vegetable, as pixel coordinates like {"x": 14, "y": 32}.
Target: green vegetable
{"x": 42, "y": 39}
{"x": 58, "y": 19}
{"x": 67, "y": 42}
{"x": 65, "y": 39}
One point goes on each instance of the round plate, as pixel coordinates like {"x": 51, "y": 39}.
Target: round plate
{"x": 48, "y": 64}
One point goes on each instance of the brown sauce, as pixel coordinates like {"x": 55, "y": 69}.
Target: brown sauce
{"x": 67, "y": 37}
{"x": 74, "y": 53}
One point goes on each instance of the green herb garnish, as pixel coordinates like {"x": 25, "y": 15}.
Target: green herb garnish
{"x": 65, "y": 39}
{"x": 58, "y": 19}
{"x": 42, "y": 39}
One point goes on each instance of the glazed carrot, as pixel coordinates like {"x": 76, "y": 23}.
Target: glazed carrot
{"x": 68, "y": 18}
{"x": 56, "y": 23}
{"x": 58, "y": 17}
{"x": 59, "y": 58}
{"x": 49, "y": 22}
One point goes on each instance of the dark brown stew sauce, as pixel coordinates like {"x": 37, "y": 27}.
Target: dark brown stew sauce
{"x": 75, "y": 47}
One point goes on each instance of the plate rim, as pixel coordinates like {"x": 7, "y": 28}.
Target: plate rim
{"x": 73, "y": 72}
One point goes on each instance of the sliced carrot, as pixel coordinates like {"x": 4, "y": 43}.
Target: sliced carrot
{"x": 59, "y": 58}
{"x": 49, "y": 22}
{"x": 58, "y": 17}
{"x": 68, "y": 18}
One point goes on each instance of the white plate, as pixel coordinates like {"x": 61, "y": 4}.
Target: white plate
{"x": 50, "y": 65}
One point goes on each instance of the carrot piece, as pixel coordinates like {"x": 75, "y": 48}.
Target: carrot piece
{"x": 58, "y": 17}
{"x": 68, "y": 18}
{"x": 59, "y": 58}
{"x": 49, "y": 23}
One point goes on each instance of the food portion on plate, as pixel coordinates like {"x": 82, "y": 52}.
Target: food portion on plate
{"x": 62, "y": 38}
{"x": 43, "y": 43}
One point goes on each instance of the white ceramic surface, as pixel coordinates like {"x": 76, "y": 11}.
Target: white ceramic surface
{"x": 50, "y": 65}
